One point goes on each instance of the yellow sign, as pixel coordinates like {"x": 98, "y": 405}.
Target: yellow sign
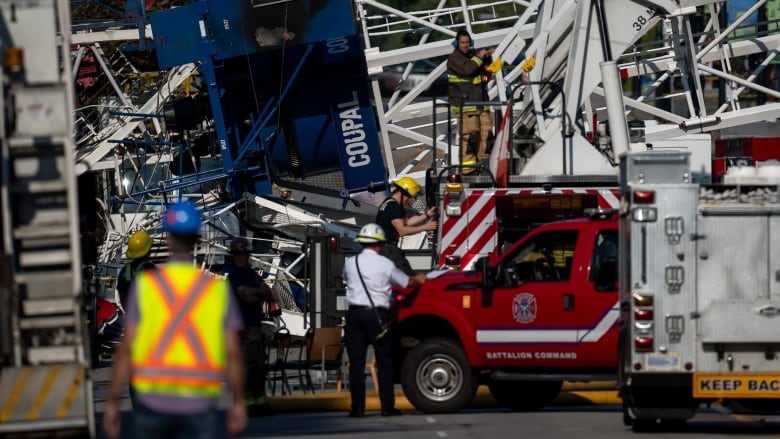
{"x": 714, "y": 385}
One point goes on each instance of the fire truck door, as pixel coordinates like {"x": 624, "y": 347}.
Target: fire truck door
{"x": 598, "y": 308}
{"x": 532, "y": 308}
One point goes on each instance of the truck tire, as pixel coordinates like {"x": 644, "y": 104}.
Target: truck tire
{"x": 437, "y": 378}
{"x": 525, "y": 395}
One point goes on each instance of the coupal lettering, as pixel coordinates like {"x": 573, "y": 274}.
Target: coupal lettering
{"x": 352, "y": 132}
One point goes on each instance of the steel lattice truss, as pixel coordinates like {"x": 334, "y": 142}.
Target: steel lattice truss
{"x": 660, "y": 46}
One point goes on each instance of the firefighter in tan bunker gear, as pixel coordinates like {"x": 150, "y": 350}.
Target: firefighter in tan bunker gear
{"x": 467, "y": 76}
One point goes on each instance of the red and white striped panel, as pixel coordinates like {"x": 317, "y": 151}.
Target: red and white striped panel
{"x": 475, "y": 233}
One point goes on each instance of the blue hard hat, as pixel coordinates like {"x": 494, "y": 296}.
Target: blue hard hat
{"x": 182, "y": 218}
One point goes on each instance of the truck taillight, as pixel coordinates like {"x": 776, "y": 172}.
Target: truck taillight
{"x": 333, "y": 243}
{"x": 643, "y": 314}
{"x": 644, "y": 197}
{"x": 643, "y": 300}
{"x": 452, "y": 262}
{"x": 14, "y": 59}
{"x": 643, "y": 343}
{"x": 454, "y": 188}
{"x": 644, "y": 213}
{"x": 454, "y": 191}
{"x": 644, "y": 326}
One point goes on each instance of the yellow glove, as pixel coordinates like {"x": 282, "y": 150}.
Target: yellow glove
{"x": 528, "y": 64}
{"x": 495, "y": 65}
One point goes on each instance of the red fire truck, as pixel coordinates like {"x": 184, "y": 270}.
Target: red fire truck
{"x": 543, "y": 311}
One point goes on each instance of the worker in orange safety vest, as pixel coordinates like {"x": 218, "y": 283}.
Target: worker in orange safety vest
{"x": 180, "y": 342}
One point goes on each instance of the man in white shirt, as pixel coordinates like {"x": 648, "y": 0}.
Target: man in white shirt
{"x": 370, "y": 278}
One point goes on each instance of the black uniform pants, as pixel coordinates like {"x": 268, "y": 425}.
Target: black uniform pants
{"x": 360, "y": 332}
{"x": 391, "y": 251}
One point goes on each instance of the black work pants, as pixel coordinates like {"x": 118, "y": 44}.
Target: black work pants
{"x": 391, "y": 251}
{"x": 360, "y": 332}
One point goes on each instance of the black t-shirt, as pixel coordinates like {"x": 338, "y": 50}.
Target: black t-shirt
{"x": 128, "y": 274}
{"x": 389, "y": 210}
{"x": 252, "y": 313}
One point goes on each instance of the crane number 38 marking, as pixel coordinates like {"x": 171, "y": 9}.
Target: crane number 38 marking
{"x": 643, "y": 20}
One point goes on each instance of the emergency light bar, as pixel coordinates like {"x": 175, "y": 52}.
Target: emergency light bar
{"x": 599, "y": 213}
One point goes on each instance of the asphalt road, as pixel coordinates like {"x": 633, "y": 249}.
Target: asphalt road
{"x": 600, "y": 422}
{"x": 580, "y": 422}
{"x": 574, "y": 417}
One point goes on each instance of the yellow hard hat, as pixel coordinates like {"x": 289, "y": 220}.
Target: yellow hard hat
{"x": 408, "y": 185}
{"x": 139, "y": 244}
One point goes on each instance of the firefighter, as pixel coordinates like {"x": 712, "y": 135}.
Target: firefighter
{"x": 253, "y": 296}
{"x": 393, "y": 220}
{"x": 180, "y": 343}
{"x": 139, "y": 245}
{"x": 370, "y": 278}
{"x": 467, "y": 80}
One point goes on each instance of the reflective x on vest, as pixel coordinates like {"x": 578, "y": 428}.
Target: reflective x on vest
{"x": 200, "y": 375}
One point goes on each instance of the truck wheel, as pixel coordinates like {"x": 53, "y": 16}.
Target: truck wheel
{"x": 525, "y": 395}
{"x": 436, "y": 377}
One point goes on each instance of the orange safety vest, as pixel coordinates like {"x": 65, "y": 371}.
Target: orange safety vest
{"x": 179, "y": 348}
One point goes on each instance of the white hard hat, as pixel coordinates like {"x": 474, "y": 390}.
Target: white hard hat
{"x": 371, "y": 233}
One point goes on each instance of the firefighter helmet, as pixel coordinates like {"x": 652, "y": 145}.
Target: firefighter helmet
{"x": 371, "y": 233}
{"x": 239, "y": 245}
{"x": 139, "y": 244}
{"x": 182, "y": 218}
{"x": 408, "y": 185}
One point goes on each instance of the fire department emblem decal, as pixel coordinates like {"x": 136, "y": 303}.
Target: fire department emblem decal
{"x": 524, "y": 308}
